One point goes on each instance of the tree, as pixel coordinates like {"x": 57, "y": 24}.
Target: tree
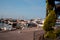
{"x": 50, "y": 20}
{"x": 49, "y": 25}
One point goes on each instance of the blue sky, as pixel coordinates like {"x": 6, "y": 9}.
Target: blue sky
{"x": 23, "y": 8}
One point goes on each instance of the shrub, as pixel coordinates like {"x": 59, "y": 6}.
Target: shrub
{"x": 57, "y": 32}
{"x": 50, "y": 35}
{"x": 50, "y": 21}
{"x": 49, "y": 24}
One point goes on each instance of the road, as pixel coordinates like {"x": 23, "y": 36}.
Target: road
{"x": 26, "y": 34}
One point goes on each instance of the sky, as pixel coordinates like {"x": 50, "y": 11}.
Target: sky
{"x": 23, "y": 9}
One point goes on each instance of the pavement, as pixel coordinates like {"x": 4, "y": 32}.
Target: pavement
{"x": 26, "y": 34}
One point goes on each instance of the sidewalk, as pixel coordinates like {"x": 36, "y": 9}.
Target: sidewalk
{"x": 26, "y": 34}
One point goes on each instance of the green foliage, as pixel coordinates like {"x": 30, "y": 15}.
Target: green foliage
{"x": 50, "y": 21}
{"x": 49, "y": 24}
{"x": 50, "y": 35}
{"x": 57, "y": 31}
